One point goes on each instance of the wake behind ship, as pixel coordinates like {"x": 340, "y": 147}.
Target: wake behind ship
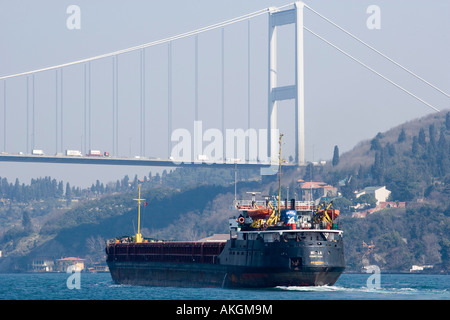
{"x": 271, "y": 243}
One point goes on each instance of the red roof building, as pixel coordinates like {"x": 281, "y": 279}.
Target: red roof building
{"x": 312, "y": 190}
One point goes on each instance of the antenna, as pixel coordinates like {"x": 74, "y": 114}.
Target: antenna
{"x": 235, "y": 180}
{"x": 279, "y": 175}
{"x": 138, "y": 234}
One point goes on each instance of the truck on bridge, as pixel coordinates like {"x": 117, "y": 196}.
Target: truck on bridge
{"x": 97, "y": 153}
{"x": 74, "y": 153}
{"x": 36, "y": 152}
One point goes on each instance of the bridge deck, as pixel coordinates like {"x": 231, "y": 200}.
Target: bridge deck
{"x": 129, "y": 161}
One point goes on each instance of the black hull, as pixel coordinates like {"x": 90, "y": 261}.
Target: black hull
{"x": 195, "y": 275}
{"x": 313, "y": 258}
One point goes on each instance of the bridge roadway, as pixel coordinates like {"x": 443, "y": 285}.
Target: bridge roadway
{"x": 132, "y": 161}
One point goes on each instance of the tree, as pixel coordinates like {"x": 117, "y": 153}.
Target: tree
{"x": 335, "y": 161}
{"x": 402, "y": 136}
{"x": 415, "y": 146}
{"x": 68, "y": 192}
{"x": 135, "y": 182}
{"x": 367, "y": 199}
{"x": 447, "y": 121}
{"x": 378, "y": 167}
{"x": 375, "y": 144}
{"x": 26, "y": 222}
{"x": 421, "y": 139}
{"x": 309, "y": 172}
{"x": 60, "y": 188}
{"x": 125, "y": 182}
{"x": 432, "y": 132}
{"x": 17, "y": 193}
{"x": 442, "y": 159}
{"x": 342, "y": 204}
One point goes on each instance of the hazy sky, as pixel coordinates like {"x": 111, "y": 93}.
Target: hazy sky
{"x": 344, "y": 102}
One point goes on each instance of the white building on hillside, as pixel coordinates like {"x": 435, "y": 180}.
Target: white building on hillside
{"x": 381, "y": 194}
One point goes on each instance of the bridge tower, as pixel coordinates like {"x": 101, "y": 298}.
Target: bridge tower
{"x": 295, "y": 91}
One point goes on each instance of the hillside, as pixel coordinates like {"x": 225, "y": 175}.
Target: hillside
{"x": 411, "y": 160}
{"x": 81, "y": 228}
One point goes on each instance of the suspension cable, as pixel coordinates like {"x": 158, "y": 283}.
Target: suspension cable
{"x": 146, "y": 45}
{"x": 377, "y": 51}
{"x": 369, "y": 68}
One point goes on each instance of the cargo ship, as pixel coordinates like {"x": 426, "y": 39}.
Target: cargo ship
{"x": 271, "y": 243}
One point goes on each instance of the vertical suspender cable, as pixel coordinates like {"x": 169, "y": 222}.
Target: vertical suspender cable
{"x": 89, "y": 103}
{"x": 28, "y": 116}
{"x": 4, "y": 115}
{"x": 56, "y": 111}
{"x": 196, "y": 78}
{"x": 141, "y": 117}
{"x": 223, "y": 90}
{"x": 140, "y": 102}
{"x": 32, "y": 115}
{"x": 143, "y": 101}
{"x": 117, "y": 105}
{"x": 113, "y": 106}
{"x": 169, "y": 97}
{"x": 62, "y": 111}
{"x": 85, "y": 111}
{"x": 248, "y": 85}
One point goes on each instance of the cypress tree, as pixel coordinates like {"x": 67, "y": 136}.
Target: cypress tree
{"x": 402, "y": 136}
{"x": 415, "y": 146}
{"x": 421, "y": 139}
{"x": 447, "y": 121}
{"x": 432, "y": 132}
{"x": 335, "y": 161}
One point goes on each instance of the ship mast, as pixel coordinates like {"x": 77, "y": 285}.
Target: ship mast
{"x": 279, "y": 175}
{"x": 138, "y": 238}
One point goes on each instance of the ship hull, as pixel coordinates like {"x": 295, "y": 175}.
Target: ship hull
{"x": 167, "y": 274}
{"x": 316, "y": 260}
{"x": 192, "y": 275}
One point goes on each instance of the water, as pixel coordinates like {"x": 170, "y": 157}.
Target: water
{"x": 54, "y": 286}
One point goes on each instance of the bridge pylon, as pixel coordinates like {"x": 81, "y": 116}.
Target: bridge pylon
{"x": 296, "y": 91}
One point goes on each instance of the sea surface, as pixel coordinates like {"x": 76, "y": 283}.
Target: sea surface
{"x": 99, "y": 286}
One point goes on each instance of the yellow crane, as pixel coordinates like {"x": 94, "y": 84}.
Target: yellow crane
{"x": 138, "y": 238}
{"x": 275, "y": 216}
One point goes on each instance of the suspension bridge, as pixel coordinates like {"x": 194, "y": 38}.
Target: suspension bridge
{"x": 250, "y": 147}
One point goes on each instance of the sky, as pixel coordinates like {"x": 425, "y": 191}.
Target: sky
{"x": 344, "y": 102}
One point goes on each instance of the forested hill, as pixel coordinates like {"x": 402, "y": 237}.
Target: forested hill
{"x": 74, "y": 222}
{"x": 411, "y": 160}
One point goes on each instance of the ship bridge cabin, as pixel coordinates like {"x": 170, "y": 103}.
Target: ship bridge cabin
{"x": 273, "y": 221}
